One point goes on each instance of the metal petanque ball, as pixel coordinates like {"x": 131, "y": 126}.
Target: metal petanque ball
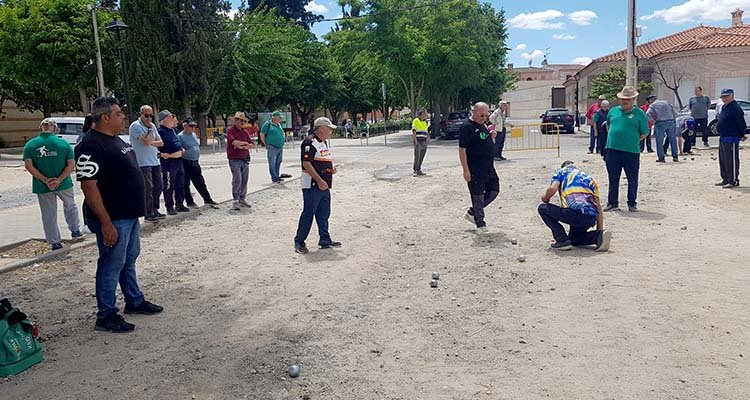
{"x": 521, "y": 258}
{"x": 434, "y": 283}
{"x": 435, "y": 275}
{"x": 293, "y": 371}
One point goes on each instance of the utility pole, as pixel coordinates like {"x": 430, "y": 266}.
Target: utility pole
{"x": 631, "y": 68}
{"x": 385, "y": 114}
{"x": 99, "y": 69}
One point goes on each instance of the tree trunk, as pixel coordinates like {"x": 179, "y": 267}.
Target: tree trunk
{"x": 85, "y": 105}
{"x": 202, "y": 128}
{"x": 435, "y": 127}
{"x": 186, "y": 107}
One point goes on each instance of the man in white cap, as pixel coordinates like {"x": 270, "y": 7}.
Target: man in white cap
{"x": 627, "y": 125}
{"x": 317, "y": 178}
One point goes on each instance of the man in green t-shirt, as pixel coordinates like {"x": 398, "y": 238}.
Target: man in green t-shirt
{"x": 627, "y": 125}
{"x": 49, "y": 159}
{"x": 272, "y": 136}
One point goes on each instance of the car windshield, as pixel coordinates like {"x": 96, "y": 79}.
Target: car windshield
{"x": 67, "y": 128}
{"x": 458, "y": 115}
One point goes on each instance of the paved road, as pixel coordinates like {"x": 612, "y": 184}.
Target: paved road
{"x": 20, "y": 217}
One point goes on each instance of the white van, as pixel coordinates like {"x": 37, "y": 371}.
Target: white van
{"x": 71, "y": 128}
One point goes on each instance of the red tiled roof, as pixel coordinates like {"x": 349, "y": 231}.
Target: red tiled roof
{"x": 658, "y": 46}
{"x": 716, "y": 40}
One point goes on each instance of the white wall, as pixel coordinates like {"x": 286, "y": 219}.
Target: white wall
{"x": 740, "y": 86}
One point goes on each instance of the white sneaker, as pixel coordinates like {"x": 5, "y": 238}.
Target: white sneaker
{"x": 236, "y": 206}
{"x": 469, "y": 218}
{"x": 482, "y": 230}
{"x": 604, "y": 239}
{"x": 243, "y": 203}
{"x": 414, "y": 174}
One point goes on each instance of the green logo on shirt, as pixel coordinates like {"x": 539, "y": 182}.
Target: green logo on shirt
{"x": 483, "y": 135}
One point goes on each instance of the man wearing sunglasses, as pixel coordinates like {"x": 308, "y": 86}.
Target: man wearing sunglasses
{"x": 476, "y": 152}
{"x": 144, "y": 137}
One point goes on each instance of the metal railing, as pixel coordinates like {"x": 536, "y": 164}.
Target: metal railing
{"x": 526, "y": 137}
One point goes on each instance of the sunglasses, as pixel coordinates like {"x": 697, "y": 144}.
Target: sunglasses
{"x": 148, "y": 115}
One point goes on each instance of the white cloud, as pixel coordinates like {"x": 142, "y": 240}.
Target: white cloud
{"x": 582, "y": 60}
{"x": 564, "y": 36}
{"x": 521, "y": 46}
{"x": 698, "y": 11}
{"x": 534, "y": 54}
{"x": 537, "y": 20}
{"x": 316, "y": 8}
{"x": 231, "y": 14}
{"x": 583, "y": 17}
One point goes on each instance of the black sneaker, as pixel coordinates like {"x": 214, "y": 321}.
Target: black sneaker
{"x": 159, "y": 215}
{"x": 610, "y": 207}
{"x": 329, "y": 245}
{"x": 561, "y": 245}
{"x": 660, "y": 160}
{"x": 285, "y": 176}
{"x": 722, "y": 183}
{"x": 301, "y": 248}
{"x": 675, "y": 159}
{"x": 192, "y": 205}
{"x": 182, "y": 208}
{"x": 211, "y": 203}
{"x": 172, "y": 212}
{"x": 145, "y": 308}
{"x": 152, "y": 218}
{"x": 115, "y": 323}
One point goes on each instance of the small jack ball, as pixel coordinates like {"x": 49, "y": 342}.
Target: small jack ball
{"x": 521, "y": 258}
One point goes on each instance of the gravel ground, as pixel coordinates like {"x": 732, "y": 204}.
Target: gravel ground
{"x": 663, "y": 315}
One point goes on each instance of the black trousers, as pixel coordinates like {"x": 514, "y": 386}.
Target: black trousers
{"x": 579, "y": 223}
{"x": 701, "y": 126}
{"x": 193, "y": 173}
{"x": 483, "y": 190}
{"x": 647, "y": 143}
{"x": 616, "y": 162}
{"x": 500, "y": 142}
{"x": 174, "y": 182}
{"x": 729, "y": 162}
{"x": 153, "y": 185}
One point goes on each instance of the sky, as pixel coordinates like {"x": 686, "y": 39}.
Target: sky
{"x": 572, "y": 31}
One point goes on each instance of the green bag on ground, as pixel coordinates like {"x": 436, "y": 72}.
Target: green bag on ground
{"x": 18, "y": 348}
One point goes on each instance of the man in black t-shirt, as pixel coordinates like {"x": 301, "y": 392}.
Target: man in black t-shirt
{"x": 113, "y": 187}
{"x": 476, "y": 151}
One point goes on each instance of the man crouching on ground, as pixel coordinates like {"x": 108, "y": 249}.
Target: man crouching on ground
{"x": 581, "y": 209}
{"x": 317, "y": 178}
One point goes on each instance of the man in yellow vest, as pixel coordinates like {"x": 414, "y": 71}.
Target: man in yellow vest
{"x": 420, "y": 135}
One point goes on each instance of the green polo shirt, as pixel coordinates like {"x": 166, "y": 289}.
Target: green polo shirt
{"x": 274, "y": 134}
{"x": 625, "y": 129}
{"x": 50, "y": 155}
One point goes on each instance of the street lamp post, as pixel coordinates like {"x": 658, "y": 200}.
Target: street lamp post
{"x": 578, "y": 114}
{"x": 117, "y": 29}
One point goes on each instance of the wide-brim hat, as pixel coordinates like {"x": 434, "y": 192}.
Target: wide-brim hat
{"x": 627, "y": 92}
{"x": 241, "y": 116}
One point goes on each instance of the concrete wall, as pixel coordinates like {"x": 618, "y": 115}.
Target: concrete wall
{"x": 17, "y": 126}
{"x": 530, "y": 98}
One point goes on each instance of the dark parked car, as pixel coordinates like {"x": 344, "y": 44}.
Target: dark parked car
{"x": 560, "y": 116}
{"x": 452, "y": 125}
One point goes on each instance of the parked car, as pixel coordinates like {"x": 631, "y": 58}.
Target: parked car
{"x": 560, "y": 116}
{"x": 744, "y": 104}
{"x": 452, "y": 126}
{"x": 70, "y": 128}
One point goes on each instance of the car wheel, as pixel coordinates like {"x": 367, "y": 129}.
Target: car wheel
{"x": 712, "y": 129}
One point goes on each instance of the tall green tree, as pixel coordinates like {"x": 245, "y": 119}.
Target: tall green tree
{"x": 152, "y": 70}
{"x": 47, "y": 52}
{"x": 611, "y": 82}
{"x": 294, "y": 10}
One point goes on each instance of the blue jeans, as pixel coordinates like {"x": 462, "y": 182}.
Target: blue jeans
{"x": 117, "y": 264}
{"x": 668, "y": 129}
{"x": 275, "y": 154}
{"x": 617, "y": 161}
{"x": 592, "y": 141}
{"x": 317, "y": 203}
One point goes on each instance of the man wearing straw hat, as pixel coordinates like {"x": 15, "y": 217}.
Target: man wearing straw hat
{"x": 239, "y": 143}
{"x": 627, "y": 126}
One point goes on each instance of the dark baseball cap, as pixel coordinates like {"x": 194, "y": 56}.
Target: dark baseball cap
{"x": 190, "y": 122}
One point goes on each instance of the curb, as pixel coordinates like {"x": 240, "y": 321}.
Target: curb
{"x": 145, "y": 228}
